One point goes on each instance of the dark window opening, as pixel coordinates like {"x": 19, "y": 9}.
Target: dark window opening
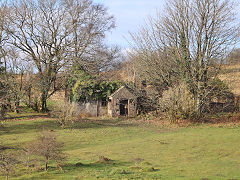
{"x": 104, "y": 102}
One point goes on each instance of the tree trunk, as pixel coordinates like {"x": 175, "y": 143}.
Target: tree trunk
{"x": 44, "y": 103}
{"x": 29, "y": 97}
{"x": 17, "y": 106}
{"x": 199, "y": 105}
{"x": 98, "y": 108}
{"x": 46, "y": 165}
{"x": 67, "y": 93}
{"x": 201, "y": 101}
{"x": 3, "y": 111}
{"x": 8, "y": 105}
{"x": 236, "y": 103}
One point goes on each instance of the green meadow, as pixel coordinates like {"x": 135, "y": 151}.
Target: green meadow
{"x": 133, "y": 150}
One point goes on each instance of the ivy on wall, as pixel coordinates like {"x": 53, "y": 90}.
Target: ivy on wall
{"x": 88, "y": 88}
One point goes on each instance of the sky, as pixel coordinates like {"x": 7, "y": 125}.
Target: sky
{"x": 129, "y": 16}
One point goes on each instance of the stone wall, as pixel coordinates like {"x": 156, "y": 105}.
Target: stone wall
{"x": 92, "y": 109}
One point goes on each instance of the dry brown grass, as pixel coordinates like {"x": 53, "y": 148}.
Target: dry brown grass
{"x": 58, "y": 96}
{"x": 210, "y": 120}
{"x": 230, "y": 74}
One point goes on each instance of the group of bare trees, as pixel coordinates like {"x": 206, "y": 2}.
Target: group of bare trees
{"x": 186, "y": 43}
{"x": 45, "y": 40}
{"x": 50, "y": 37}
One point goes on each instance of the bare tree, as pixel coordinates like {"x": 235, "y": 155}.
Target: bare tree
{"x": 47, "y": 147}
{"x": 55, "y": 35}
{"x": 192, "y": 36}
{"x": 7, "y": 164}
{"x": 4, "y": 10}
{"x": 90, "y": 22}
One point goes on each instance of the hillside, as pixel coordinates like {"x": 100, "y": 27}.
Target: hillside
{"x": 230, "y": 74}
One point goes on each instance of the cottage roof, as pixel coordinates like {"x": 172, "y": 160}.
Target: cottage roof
{"x": 122, "y": 92}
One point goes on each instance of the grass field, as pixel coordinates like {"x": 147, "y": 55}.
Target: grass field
{"x": 136, "y": 150}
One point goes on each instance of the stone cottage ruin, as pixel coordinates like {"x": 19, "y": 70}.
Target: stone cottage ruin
{"x": 121, "y": 103}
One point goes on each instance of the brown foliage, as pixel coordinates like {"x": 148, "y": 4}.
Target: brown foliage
{"x": 177, "y": 102}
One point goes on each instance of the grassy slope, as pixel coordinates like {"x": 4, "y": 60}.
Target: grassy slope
{"x": 175, "y": 153}
{"x": 230, "y": 74}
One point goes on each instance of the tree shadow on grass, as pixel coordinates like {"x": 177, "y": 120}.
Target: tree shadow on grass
{"x": 95, "y": 165}
{"x": 18, "y": 117}
{"x": 34, "y": 126}
{"x": 113, "y": 169}
{"x": 96, "y": 123}
{"x": 82, "y": 168}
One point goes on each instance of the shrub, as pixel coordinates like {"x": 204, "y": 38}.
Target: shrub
{"x": 66, "y": 113}
{"x": 47, "y": 147}
{"x": 8, "y": 164}
{"x": 177, "y": 102}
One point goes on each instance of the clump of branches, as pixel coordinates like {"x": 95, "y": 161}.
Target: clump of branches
{"x": 177, "y": 102}
{"x": 45, "y": 148}
{"x": 8, "y": 163}
{"x": 66, "y": 113}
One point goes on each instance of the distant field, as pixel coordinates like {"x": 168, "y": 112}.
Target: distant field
{"x": 193, "y": 152}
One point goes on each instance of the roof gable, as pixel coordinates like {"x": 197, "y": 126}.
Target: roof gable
{"x": 123, "y": 93}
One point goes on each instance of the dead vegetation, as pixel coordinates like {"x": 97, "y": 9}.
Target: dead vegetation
{"x": 66, "y": 113}
{"x": 103, "y": 159}
{"x": 47, "y": 148}
{"x": 8, "y": 162}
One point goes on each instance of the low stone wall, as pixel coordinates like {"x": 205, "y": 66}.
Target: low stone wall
{"x": 92, "y": 109}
